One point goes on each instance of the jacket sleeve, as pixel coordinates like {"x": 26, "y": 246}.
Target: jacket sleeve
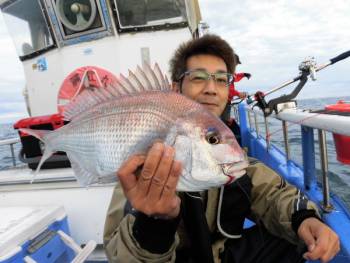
{"x": 274, "y": 201}
{"x": 239, "y": 76}
{"x": 120, "y": 244}
{"x": 232, "y": 91}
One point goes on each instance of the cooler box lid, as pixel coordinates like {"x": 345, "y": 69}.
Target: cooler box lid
{"x": 56, "y": 120}
{"x": 19, "y": 224}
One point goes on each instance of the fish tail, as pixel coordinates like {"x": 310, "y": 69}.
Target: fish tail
{"x": 41, "y": 135}
{"x": 47, "y": 154}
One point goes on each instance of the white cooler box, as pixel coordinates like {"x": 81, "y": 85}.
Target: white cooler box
{"x": 38, "y": 234}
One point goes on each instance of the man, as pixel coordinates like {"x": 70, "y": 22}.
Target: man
{"x": 163, "y": 226}
{"x": 236, "y": 78}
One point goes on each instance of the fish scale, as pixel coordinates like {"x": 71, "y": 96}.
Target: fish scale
{"x": 150, "y": 123}
{"x": 110, "y": 126}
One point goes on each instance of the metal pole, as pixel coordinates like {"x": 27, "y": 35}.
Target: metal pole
{"x": 256, "y": 125}
{"x": 13, "y": 155}
{"x": 249, "y": 120}
{"x": 267, "y": 133}
{"x": 324, "y": 167}
{"x": 285, "y": 138}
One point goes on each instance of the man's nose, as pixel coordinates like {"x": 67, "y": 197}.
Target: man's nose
{"x": 210, "y": 86}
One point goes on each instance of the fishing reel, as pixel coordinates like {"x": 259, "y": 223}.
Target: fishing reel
{"x": 309, "y": 65}
{"x": 306, "y": 68}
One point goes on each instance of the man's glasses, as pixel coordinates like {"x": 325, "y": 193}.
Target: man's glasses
{"x": 200, "y": 77}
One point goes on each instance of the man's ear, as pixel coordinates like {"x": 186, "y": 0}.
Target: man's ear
{"x": 176, "y": 86}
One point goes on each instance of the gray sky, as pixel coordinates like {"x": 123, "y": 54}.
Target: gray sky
{"x": 271, "y": 37}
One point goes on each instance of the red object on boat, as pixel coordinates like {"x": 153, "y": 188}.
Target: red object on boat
{"x": 342, "y": 142}
{"x": 32, "y": 148}
{"x": 47, "y": 122}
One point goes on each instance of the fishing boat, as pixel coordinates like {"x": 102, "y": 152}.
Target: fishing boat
{"x": 68, "y": 46}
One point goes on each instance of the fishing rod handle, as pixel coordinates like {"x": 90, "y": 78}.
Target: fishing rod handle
{"x": 340, "y": 57}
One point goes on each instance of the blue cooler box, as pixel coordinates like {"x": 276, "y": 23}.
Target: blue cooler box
{"x": 33, "y": 234}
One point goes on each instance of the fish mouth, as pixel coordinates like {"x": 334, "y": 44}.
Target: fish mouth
{"x": 234, "y": 170}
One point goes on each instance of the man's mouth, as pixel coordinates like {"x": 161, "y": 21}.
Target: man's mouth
{"x": 210, "y": 105}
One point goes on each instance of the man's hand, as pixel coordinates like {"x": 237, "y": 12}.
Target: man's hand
{"x": 153, "y": 192}
{"x": 247, "y": 75}
{"x": 242, "y": 95}
{"x": 321, "y": 241}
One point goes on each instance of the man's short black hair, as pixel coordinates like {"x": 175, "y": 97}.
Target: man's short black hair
{"x": 208, "y": 44}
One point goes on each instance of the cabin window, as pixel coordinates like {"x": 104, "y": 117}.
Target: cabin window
{"x": 27, "y": 25}
{"x": 150, "y": 13}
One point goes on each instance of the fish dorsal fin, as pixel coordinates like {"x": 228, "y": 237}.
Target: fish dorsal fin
{"x": 141, "y": 75}
{"x": 138, "y": 81}
{"x": 133, "y": 78}
{"x": 153, "y": 77}
{"x": 167, "y": 84}
{"x": 159, "y": 76}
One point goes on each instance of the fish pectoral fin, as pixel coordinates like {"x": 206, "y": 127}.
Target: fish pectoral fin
{"x": 84, "y": 177}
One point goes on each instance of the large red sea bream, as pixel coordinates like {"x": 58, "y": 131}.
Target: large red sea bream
{"x": 110, "y": 124}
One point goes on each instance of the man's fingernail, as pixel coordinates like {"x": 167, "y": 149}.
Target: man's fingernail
{"x": 169, "y": 151}
{"x": 305, "y": 256}
{"x": 158, "y": 146}
{"x": 311, "y": 247}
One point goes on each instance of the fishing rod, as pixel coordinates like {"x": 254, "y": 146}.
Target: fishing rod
{"x": 307, "y": 68}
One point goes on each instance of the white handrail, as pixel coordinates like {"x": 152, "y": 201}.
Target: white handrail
{"x": 9, "y": 141}
{"x": 327, "y": 122}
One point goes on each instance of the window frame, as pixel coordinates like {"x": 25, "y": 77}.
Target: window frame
{"x": 144, "y": 28}
{"x": 80, "y": 37}
{"x": 48, "y": 25}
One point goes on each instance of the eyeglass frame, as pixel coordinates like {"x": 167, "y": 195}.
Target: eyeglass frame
{"x": 210, "y": 76}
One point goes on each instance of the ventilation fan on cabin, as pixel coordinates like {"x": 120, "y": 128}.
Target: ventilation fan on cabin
{"x": 77, "y": 15}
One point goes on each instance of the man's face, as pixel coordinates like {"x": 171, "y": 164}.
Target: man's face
{"x": 210, "y": 94}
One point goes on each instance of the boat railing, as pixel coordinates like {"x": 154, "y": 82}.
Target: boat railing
{"x": 11, "y": 143}
{"x": 308, "y": 121}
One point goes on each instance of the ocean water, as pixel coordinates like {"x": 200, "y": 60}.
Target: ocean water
{"x": 7, "y": 132}
{"x": 339, "y": 174}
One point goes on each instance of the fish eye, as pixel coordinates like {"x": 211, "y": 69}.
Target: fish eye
{"x": 212, "y": 137}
